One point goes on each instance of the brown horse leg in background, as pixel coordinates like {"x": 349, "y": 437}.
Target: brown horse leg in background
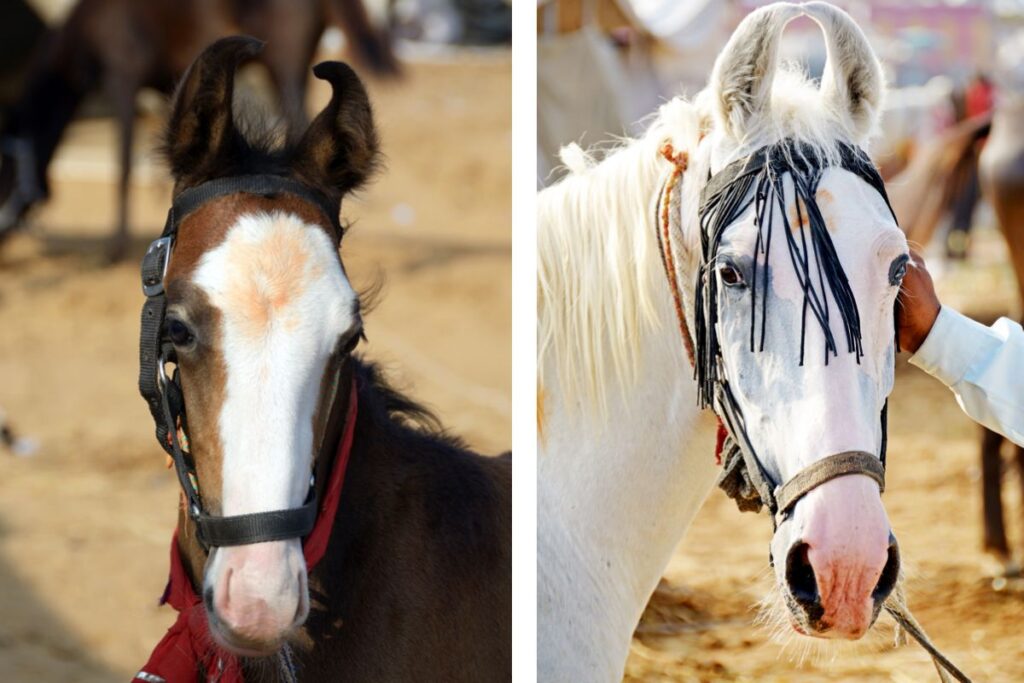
{"x": 292, "y": 32}
{"x": 992, "y": 469}
{"x": 289, "y": 74}
{"x": 369, "y": 45}
{"x": 122, "y": 92}
{"x": 992, "y": 495}
{"x": 923, "y": 193}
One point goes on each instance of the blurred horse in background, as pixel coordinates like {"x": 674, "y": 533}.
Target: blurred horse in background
{"x": 119, "y": 47}
{"x": 912, "y": 116}
{"x": 1002, "y": 181}
{"x": 934, "y": 181}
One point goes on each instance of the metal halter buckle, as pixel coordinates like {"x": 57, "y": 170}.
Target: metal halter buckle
{"x": 165, "y": 243}
{"x": 161, "y": 373}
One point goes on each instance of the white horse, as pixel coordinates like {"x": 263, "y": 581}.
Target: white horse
{"x": 621, "y": 472}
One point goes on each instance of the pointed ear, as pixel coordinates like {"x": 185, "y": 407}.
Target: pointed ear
{"x": 201, "y": 131}
{"x": 745, "y": 69}
{"x": 340, "y": 150}
{"x": 852, "y": 81}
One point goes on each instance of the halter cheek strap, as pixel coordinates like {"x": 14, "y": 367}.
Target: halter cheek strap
{"x": 164, "y": 395}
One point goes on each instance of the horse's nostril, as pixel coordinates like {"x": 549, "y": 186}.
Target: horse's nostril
{"x": 800, "y": 576}
{"x": 890, "y": 573}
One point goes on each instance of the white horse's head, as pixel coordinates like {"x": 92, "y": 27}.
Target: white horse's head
{"x": 802, "y": 287}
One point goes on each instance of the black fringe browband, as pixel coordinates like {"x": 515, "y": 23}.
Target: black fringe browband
{"x": 758, "y": 180}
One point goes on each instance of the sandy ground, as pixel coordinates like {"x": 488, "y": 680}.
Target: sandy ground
{"x": 85, "y": 524}
{"x": 699, "y": 625}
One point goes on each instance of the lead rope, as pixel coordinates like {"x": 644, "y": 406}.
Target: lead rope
{"x": 669, "y": 200}
{"x": 896, "y": 603}
{"x": 896, "y": 606}
{"x": 286, "y": 665}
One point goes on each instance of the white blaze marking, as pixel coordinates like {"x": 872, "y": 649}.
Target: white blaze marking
{"x": 284, "y": 301}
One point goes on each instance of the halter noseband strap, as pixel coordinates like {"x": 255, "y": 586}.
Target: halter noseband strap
{"x": 726, "y": 195}
{"x": 826, "y": 469}
{"x": 164, "y": 395}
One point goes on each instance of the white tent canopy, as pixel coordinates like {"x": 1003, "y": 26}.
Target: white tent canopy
{"x": 683, "y": 26}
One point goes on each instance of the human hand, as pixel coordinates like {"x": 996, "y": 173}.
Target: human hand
{"x": 917, "y": 306}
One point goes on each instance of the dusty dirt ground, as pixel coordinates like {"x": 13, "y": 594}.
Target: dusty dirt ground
{"x": 85, "y": 524}
{"x": 699, "y": 625}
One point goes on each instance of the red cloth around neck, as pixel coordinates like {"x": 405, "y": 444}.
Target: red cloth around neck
{"x": 720, "y": 438}
{"x": 187, "y": 649}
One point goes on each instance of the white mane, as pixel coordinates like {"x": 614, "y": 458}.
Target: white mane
{"x": 598, "y": 260}
{"x": 599, "y": 269}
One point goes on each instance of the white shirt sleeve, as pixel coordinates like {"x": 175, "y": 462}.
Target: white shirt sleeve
{"x": 984, "y": 366}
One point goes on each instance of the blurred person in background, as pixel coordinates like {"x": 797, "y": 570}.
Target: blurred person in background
{"x": 978, "y": 102}
{"x": 978, "y": 96}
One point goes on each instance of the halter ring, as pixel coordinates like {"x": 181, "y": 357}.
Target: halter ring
{"x": 154, "y": 286}
{"x": 161, "y": 374}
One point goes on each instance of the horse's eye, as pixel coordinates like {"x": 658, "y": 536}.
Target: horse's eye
{"x": 179, "y": 332}
{"x": 897, "y": 271}
{"x": 349, "y": 345}
{"x": 730, "y": 275}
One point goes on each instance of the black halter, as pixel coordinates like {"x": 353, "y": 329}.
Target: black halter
{"x": 757, "y": 180}
{"x": 164, "y": 395}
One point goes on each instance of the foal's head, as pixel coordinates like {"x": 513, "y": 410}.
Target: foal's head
{"x": 260, "y": 311}
{"x": 811, "y": 372}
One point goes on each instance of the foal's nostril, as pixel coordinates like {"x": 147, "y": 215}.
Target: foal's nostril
{"x": 890, "y": 573}
{"x": 800, "y": 576}
{"x": 302, "y": 605}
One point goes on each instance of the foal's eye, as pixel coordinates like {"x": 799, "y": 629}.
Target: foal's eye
{"x": 730, "y": 275}
{"x": 179, "y": 332}
{"x": 349, "y": 344}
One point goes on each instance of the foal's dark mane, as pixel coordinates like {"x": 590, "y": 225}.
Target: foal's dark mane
{"x": 387, "y": 406}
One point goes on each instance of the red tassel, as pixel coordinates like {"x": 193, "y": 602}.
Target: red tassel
{"x": 720, "y": 442}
